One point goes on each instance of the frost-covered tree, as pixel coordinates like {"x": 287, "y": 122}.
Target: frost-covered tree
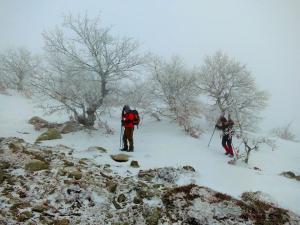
{"x": 285, "y": 133}
{"x": 84, "y": 64}
{"x": 175, "y": 88}
{"x": 230, "y": 87}
{"x": 138, "y": 95}
{"x": 17, "y": 66}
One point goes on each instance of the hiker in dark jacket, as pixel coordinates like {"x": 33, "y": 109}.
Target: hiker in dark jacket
{"x": 127, "y": 123}
{"x": 227, "y": 127}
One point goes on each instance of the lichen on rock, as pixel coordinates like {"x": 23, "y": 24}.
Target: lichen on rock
{"x": 50, "y": 134}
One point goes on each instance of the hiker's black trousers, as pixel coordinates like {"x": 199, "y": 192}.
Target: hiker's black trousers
{"x": 226, "y": 140}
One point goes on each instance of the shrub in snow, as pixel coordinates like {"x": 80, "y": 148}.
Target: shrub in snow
{"x": 251, "y": 143}
{"x": 175, "y": 89}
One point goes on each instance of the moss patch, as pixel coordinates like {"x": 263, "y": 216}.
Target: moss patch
{"x": 261, "y": 212}
{"x": 49, "y": 135}
{"x": 152, "y": 216}
{"x": 220, "y": 197}
{"x": 62, "y": 222}
{"x": 36, "y": 165}
{"x": 167, "y": 198}
{"x": 70, "y": 127}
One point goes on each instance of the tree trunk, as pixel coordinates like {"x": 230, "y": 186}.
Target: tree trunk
{"x": 20, "y": 81}
{"x": 248, "y": 150}
{"x": 87, "y": 118}
{"x": 20, "y": 85}
{"x": 91, "y": 117}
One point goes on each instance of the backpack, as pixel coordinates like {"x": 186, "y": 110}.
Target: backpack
{"x": 136, "y": 120}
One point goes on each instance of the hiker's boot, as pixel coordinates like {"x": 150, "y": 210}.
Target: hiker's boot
{"x": 130, "y": 149}
{"x": 125, "y": 148}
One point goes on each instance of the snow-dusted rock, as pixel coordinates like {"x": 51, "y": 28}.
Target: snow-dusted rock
{"x": 120, "y": 157}
{"x": 291, "y": 175}
{"x": 97, "y": 149}
{"x": 38, "y": 122}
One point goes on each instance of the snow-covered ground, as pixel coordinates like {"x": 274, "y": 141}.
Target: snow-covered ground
{"x": 159, "y": 144}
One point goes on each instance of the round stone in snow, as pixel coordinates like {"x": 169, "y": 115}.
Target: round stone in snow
{"x": 120, "y": 157}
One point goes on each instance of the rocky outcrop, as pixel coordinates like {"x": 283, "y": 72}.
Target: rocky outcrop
{"x": 70, "y": 192}
{"x": 63, "y": 128}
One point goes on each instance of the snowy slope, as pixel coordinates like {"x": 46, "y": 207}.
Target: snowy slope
{"x": 159, "y": 144}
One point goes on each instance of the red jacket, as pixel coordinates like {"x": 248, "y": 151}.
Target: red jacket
{"x": 127, "y": 119}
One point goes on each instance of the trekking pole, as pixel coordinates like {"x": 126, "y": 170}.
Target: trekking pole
{"x": 121, "y": 137}
{"x": 211, "y": 136}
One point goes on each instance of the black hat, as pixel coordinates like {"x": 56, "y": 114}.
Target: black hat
{"x": 126, "y": 108}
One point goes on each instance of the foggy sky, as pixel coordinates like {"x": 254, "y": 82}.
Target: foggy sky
{"x": 263, "y": 34}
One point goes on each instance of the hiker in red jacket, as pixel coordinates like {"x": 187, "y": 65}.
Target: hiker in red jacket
{"x": 127, "y": 123}
{"x": 227, "y": 127}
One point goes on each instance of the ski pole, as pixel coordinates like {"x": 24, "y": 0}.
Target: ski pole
{"x": 211, "y": 137}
